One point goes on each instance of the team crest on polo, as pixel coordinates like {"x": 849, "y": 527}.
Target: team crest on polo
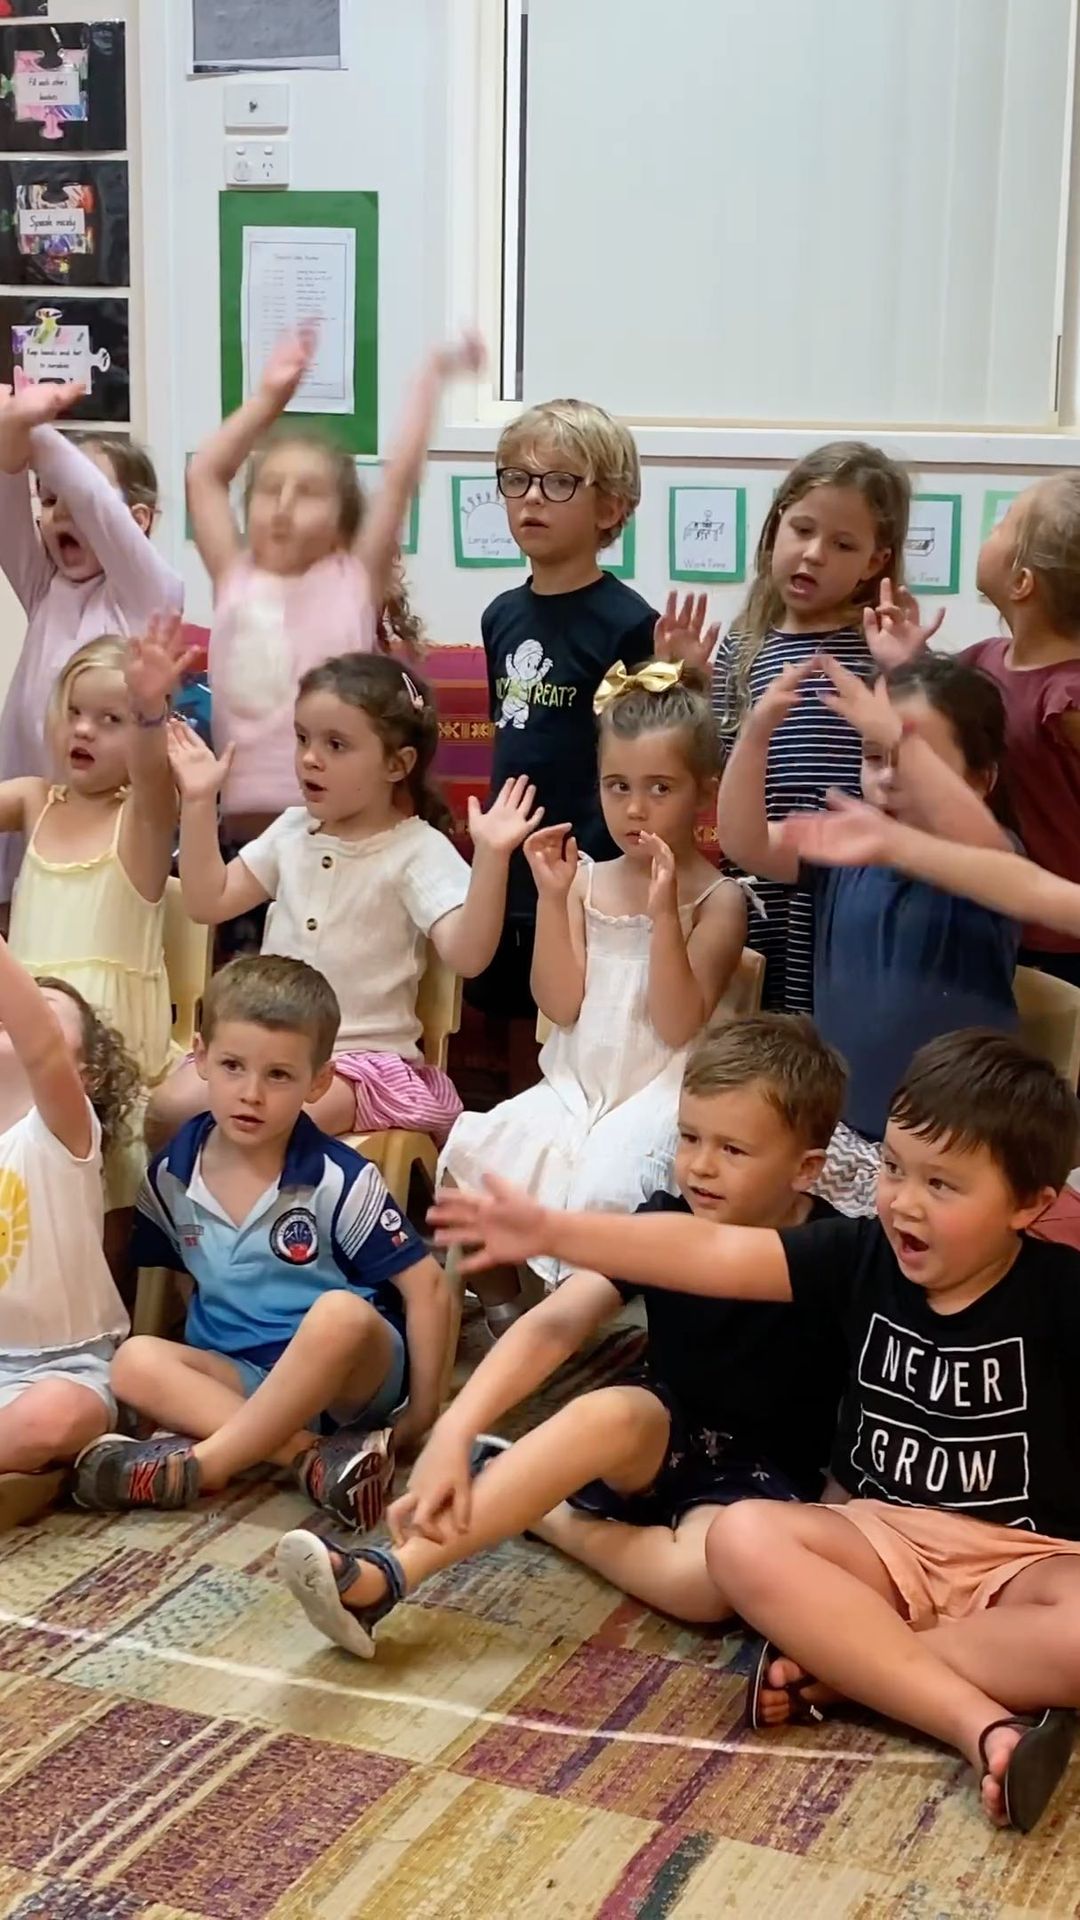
{"x": 295, "y": 1238}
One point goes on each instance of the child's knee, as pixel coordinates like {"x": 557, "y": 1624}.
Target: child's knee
{"x": 135, "y": 1365}
{"x": 629, "y": 1420}
{"x": 740, "y": 1541}
{"x": 58, "y": 1417}
{"x": 346, "y": 1320}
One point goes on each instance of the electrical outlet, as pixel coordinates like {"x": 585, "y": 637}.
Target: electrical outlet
{"x": 257, "y": 163}
{"x": 261, "y": 107}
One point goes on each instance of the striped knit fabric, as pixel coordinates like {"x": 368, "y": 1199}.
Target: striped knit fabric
{"x": 391, "y": 1092}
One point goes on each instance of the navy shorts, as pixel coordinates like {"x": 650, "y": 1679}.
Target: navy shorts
{"x": 701, "y": 1468}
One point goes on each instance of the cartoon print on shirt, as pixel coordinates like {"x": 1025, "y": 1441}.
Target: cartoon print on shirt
{"x": 526, "y": 668}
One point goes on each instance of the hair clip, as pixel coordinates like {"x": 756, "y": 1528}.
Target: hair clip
{"x": 413, "y": 691}
{"x": 656, "y": 676}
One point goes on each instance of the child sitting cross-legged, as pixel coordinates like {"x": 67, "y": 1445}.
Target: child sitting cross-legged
{"x": 946, "y": 1592}
{"x": 316, "y": 1317}
{"x": 735, "y": 1400}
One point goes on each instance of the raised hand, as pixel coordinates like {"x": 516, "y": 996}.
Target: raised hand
{"x": 198, "y": 773}
{"x": 437, "y": 1502}
{"x": 38, "y": 404}
{"x": 511, "y": 817}
{"x": 466, "y": 355}
{"x": 288, "y": 363}
{"x": 501, "y": 1226}
{"x": 663, "y": 881}
{"x": 893, "y": 630}
{"x": 780, "y": 696}
{"x": 680, "y": 633}
{"x": 850, "y": 834}
{"x": 868, "y": 709}
{"x": 552, "y": 855}
{"x": 155, "y": 665}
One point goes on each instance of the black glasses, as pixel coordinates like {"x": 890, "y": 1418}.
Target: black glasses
{"x": 514, "y": 484}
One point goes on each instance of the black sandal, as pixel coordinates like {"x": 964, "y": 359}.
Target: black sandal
{"x": 1036, "y": 1763}
{"x": 803, "y": 1712}
{"x": 304, "y": 1562}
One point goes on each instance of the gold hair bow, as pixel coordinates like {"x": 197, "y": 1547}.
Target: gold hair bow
{"x": 656, "y": 676}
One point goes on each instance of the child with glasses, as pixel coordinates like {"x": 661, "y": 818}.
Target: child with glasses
{"x": 570, "y": 477}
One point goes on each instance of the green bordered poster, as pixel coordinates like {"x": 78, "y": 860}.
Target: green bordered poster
{"x": 995, "y": 507}
{"x": 482, "y": 536}
{"x": 290, "y": 256}
{"x": 707, "y": 533}
{"x": 932, "y": 548}
{"x": 620, "y": 558}
{"x": 410, "y": 532}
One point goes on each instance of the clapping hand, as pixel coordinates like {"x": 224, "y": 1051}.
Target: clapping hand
{"x": 466, "y": 355}
{"x": 850, "y": 834}
{"x": 680, "y": 633}
{"x": 552, "y": 855}
{"x": 288, "y": 363}
{"x": 867, "y": 709}
{"x": 893, "y": 631}
{"x": 198, "y": 773}
{"x": 155, "y": 665}
{"x": 663, "y": 897}
{"x": 780, "y": 696}
{"x": 502, "y": 1226}
{"x": 511, "y": 817}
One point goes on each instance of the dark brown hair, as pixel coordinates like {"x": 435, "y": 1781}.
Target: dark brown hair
{"x": 978, "y": 1088}
{"x": 109, "y": 1073}
{"x": 801, "y": 1077}
{"x": 283, "y": 995}
{"x": 968, "y": 699}
{"x": 135, "y": 473}
{"x": 342, "y": 467}
{"x": 683, "y": 708}
{"x": 842, "y": 463}
{"x": 400, "y": 707}
{"x": 1049, "y": 544}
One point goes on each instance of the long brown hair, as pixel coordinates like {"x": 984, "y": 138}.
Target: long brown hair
{"x": 401, "y": 709}
{"x": 842, "y": 463}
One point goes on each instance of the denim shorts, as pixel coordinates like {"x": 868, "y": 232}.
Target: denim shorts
{"x": 387, "y": 1400}
{"x": 85, "y": 1366}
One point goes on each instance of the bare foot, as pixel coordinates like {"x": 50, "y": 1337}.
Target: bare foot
{"x": 778, "y": 1704}
{"x": 999, "y": 1748}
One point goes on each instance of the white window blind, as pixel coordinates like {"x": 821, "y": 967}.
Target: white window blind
{"x": 815, "y": 211}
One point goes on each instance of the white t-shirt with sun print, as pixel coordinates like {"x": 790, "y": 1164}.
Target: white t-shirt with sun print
{"x": 55, "y": 1285}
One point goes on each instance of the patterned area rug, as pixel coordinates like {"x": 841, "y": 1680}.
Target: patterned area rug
{"x": 176, "y": 1743}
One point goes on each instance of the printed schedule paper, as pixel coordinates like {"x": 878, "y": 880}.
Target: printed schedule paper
{"x": 293, "y": 274}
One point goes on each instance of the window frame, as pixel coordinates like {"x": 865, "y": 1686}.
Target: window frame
{"x": 484, "y": 199}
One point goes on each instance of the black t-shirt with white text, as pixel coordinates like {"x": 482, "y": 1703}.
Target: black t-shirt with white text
{"x": 975, "y": 1411}
{"x": 546, "y": 655}
{"x": 768, "y": 1374}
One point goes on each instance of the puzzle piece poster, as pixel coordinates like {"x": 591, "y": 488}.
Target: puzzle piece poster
{"x": 53, "y": 340}
{"x": 62, "y": 88}
{"x": 64, "y": 223}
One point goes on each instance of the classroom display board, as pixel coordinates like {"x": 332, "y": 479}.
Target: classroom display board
{"x": 56, "y": 340}
{"x": 62, "y": 88}
{"x": 65, "y": 223}
{"x": 707, "y": 534}
{"x": 932, "y": 549}
{"x": 482, "y": 536}
{"x": 290, "y": 257}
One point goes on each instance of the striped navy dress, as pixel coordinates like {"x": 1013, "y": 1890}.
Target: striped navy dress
{"x": 811, "y": 751}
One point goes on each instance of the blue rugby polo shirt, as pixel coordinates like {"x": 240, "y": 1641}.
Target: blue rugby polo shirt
{"x": 329, "y": 1222}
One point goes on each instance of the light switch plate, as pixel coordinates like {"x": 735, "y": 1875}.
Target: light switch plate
{"x": 257, "y": 163}
{"x": 261, "y": 107}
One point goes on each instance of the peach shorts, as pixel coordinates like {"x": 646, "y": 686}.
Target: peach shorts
{"x": 946, "y": 1565}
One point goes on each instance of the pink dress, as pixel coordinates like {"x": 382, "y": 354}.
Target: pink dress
{"x": 268, "y": 630}
{"x": 63, "y": 614}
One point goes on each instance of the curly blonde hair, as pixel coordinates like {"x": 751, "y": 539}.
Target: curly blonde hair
{"x": 109, "y": 1073}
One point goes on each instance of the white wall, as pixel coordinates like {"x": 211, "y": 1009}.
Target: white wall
{"x": 381, "y": 125}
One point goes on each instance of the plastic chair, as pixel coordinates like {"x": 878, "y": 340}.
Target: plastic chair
{"x": 1049, "y": 1012}
{"x": 741, "y": 996}
{"x": 187, "y": 963}
{"x": 397, "y": 1151}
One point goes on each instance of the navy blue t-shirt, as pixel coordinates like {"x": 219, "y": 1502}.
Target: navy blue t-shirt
{"x": 898, "y": 963}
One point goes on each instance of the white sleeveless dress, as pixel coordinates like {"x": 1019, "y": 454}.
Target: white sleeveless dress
{"x": 599, "y": 1130}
